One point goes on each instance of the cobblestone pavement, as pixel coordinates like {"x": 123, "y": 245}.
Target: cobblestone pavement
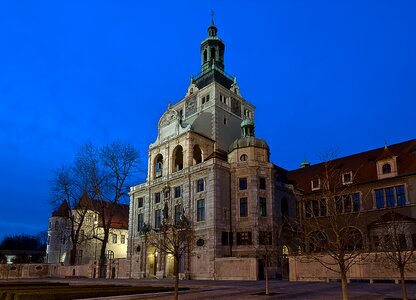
{"x": 255, "y": 289}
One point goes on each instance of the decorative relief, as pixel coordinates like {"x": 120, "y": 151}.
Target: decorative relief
{"x": 236, "y": 107}
{"x": 190, "y": 106}
{"x": 168, "y": 118}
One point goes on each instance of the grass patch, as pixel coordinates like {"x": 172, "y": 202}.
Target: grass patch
{"x": 28, "y": 291}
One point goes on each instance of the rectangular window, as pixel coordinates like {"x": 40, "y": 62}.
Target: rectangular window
{"x": 262, "y": 183}
{"x": 379, "y": 198}
{"x": 178, "y": 213}
{"x": 205, "y": 99}
{"x": 123, "y": 239}
{"x": 356, "y": 203}
{"x": 157, "y": 197}
{"x": 376, "y": 242}
{"x": 389, "y": 197}
{"x": 402, "y": 241}
{"x": 158, "y": 218}
{"x": 226, "y": 238}
{"x": 244, "y": 238}
{"x": 400, "y": 195}
{"x": 200, "y": 210}
{"x": 243, "y": 207}
{"x": 315, "y": 184}
{"x": 222, "y": 98}
{"x": 322, "y": 207}
{"x": 140, "y": 202}
{"x": 347, "y": 178}
{"x": 200, "y": 185}
{"x": 177, "y": 191}
{"x": 263, "y": 207}
{"x": 114, "y": 238}
{"x": 243, "y": 183}
{"x": 140, "y": 222}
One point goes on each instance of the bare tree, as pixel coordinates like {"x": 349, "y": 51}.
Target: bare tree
{"x": 174, "y": 237}
{"x": 330, "y": 219}
{"x": 109, "y": 169}
{"x": 98, "y": 181}
{"x": 68, "y": 186}
{"x": 389, "y": 235}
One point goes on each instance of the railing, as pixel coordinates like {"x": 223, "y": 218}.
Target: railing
{"x": 213, "y": 67}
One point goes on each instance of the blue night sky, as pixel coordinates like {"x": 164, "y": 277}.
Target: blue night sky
{"x": 323, "y": 75}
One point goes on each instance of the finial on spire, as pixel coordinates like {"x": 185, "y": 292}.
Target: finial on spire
{"x": 212, "y": 16}
{"x": 385, "y": 144}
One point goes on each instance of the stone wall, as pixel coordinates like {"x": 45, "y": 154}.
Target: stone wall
{"x": 368, "y": 267}
{"x": 230, "y": 268}
{"x": 116, "y": 268}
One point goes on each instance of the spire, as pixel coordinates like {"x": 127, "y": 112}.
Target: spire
{"x": 212, "y": 29}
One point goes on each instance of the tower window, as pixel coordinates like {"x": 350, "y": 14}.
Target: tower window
{"x": 140, "y": 202}
{"x": 200, "y": 213}
{"x": 200, "y": 185}
{"x": 262, "y": 183}
{"x": 243, "y": 207}
{"x": 243, "y": 183}
{"x": 157, "y": 197}
{"x": 205, "y": 56}
{"x": 212, "y": 53}
{"x": 263, "y": 207}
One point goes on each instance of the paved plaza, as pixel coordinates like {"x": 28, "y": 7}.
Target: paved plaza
{"x": 254, "y": 289}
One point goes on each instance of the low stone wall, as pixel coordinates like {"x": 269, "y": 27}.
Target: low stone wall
{"x": 14, "y": 271}
{"x": 231, "y": 268}
{"x": 116, "y": 268}
{"x": 367, "y": 267}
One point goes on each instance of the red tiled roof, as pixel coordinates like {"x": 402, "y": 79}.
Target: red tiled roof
{"x": 120, "y": 218}
{"x": 363, "y": 165}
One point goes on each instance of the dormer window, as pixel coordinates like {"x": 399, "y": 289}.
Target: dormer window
{"x": 386, "y": 169}
{"x": 347, "y": 178}
{"x": 316, "y": 184}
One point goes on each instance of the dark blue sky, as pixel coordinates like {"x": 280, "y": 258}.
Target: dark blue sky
{"x": 323, "y": 75}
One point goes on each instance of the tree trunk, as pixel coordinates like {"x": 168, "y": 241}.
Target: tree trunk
{"x": 176, "y": 270}
{"x": 344, "y": 285}
{"x": 103, "y": 258}
{"x": 266, "y": 269}
{"x": 72, "y": 255}
{"x": 403, "y": 283}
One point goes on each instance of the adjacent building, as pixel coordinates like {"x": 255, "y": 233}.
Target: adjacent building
{"x": 88, "y": 249}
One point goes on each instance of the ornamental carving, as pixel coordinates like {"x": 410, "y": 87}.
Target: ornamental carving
{"x": 168, "y": 118}
{"x": 190, "y": 106}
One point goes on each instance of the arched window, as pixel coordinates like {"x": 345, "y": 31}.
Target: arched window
{"x": 317, "y": 241}
{"x": 386, "y": 168}
{"x": 243, "y": 157}
{"x": 159, "y": 166}
{"x": 351, "y": 239}
{"x": 205, "y": 56}
{"x": 284, "y": 207}
{"x": 212, "y": 53}
{"x": 197, "y": 155}
{"x": 177, "y": 159}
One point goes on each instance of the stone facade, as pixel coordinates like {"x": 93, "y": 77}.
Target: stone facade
{"x": 207, "y": 165}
